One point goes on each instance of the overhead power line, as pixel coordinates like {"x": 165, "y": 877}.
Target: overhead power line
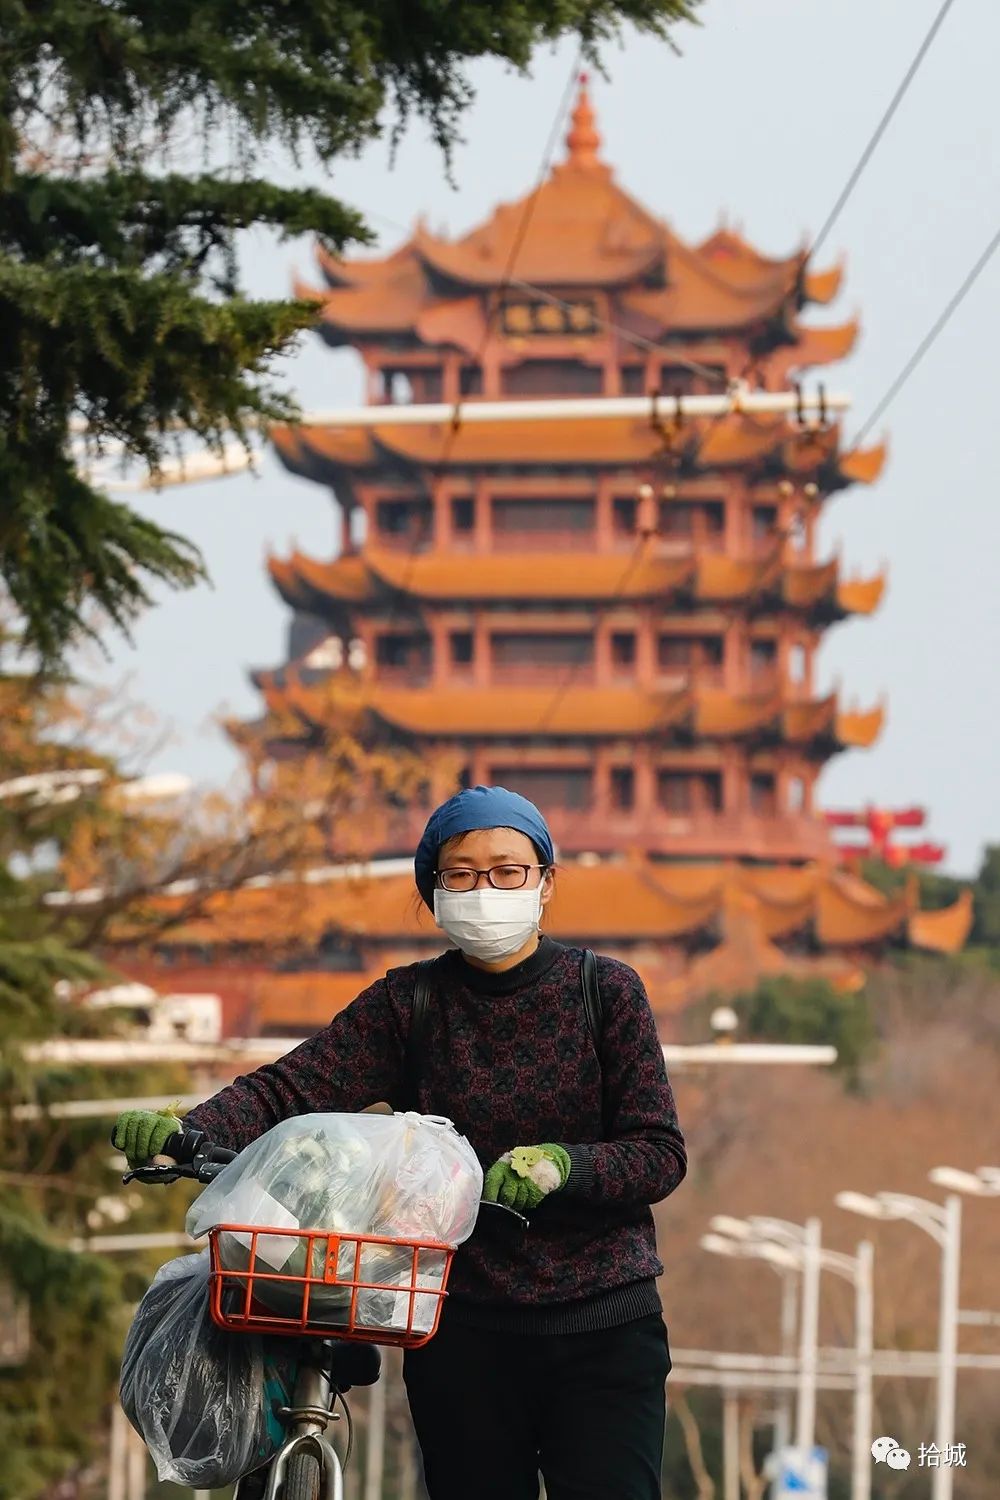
{"x": 527, "y": 213}
{"x": 936, "y": 329}
{"x": 880, "y": 129}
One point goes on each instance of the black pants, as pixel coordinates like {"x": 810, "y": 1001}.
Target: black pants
{"x": 587, "y": 1409}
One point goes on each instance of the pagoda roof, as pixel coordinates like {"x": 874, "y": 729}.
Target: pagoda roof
{"x": 628, "y": 899}
{"x": 707, "y": 578}
{"x": 327, "y": 453}
{"x": 592, "y": 713}
{"x": 577, "y": 228}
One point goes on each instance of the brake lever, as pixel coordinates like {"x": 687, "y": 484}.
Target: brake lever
{"x": 512, "y": 1213}
{"x": 151, "y": 1175}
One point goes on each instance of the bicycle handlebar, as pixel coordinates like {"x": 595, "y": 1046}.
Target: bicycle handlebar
{"x": 207, "y": 1161}
{"x": 191, "y": 1156}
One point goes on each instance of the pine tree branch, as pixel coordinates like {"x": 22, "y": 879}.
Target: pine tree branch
{"x": 135, "y": 221}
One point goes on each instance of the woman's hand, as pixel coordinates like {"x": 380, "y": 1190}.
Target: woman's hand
{"x": 142, "y": 1133}
{"x": 525, "y": 1175}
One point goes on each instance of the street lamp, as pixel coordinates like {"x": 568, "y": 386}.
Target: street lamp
{"x": 983, "y": 1183}
{"x": 788, "y": 1246}
{"x": 804, "y": 1243}
{"x": 736, "y": 1229}
{"x": 943, "y": 1222}
{"x": 857, "y": 1269}
{"x": 733, "y": 1237}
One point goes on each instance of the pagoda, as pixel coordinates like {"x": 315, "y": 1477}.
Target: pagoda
{"x": 619, "y": 618}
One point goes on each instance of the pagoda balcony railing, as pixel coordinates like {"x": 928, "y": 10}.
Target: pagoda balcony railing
{"x": 543, "y": 541}
{"x": 704, "y": 834}
{"x": 417, "y": 676}
{"x": 530, "y": 674}
{"x": 697, "y": 835}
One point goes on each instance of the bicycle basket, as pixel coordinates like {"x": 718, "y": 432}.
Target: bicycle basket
{"x": 327, "y": 1283}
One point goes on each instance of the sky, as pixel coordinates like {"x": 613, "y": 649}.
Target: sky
{"x": 759, "y": 120}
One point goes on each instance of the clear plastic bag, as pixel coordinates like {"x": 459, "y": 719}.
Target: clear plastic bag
{"x": 195, "y": 1393}
{"x": 403, "y": 1176}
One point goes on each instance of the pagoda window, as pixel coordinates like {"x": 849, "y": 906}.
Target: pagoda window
{"x": 763, "y": 521}
{"x": 470, "y": 380}
{"x": 763, "y": 656}
{"x": 543, "y": 519}
{"x": 622, "y": 788}
{"x": 762, "y": 798}
{"x": 404, "y": 522}
{"x": 684, "y": 652}
{"x": 680, "y": 381}
{"x": 566, "y": 787}
{"x": 674, "y": 791}
{"x": 552, "y": 377}
{"x": 624, "y": 512}
{"x": 427, "y": 384}
{"x": 535, "y": 649}
{"x": 683, "y": 792}
{"x": 710, "y": 791}
{"x": 623, "y": 650}
{"x": 633, "y": 378}
{"x": 796, "y": 794}
{"x": 703, "y": 521}
{"x": 403, "y": 654}
{"x": 463, "y": 515}
{"x": 461, "y": 648}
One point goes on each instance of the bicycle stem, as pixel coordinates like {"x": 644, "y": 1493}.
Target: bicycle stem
{"x": 307, "y": 1419}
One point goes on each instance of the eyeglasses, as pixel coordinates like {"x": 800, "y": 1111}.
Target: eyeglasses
{"x": 500, "y": 877}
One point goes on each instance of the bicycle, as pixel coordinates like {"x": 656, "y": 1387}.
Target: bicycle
{"x": 328, "y": 1362}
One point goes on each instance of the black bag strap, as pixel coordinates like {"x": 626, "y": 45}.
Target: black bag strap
{"x": 414, "y": 1051}
{"x": 593, "y": 1003}
{"x": 593, "y": 1006}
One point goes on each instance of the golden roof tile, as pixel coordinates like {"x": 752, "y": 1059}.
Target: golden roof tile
{"x": 628, "y": 899}
{"x": 944, "y": 931}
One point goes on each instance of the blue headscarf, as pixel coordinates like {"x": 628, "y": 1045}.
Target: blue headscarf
{"x": 477, "y": 807}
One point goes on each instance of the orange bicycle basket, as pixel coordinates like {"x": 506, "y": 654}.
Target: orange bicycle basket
{"x": 368, "y": 1287}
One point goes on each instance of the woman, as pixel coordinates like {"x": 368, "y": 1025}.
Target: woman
{"x": 552, "y": 1351}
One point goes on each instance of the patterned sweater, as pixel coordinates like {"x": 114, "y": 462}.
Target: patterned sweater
{"x": 509, "y": 1058}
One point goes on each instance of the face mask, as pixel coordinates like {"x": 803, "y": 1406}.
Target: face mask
{"x": 489, "y": 924}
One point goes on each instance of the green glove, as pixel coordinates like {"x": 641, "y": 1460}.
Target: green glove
{"x": 527, "y": 1174}
{"x": 143, "y": 1133}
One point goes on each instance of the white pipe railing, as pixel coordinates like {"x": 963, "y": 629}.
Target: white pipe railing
{"x": 117, "y": 1052}
{"x": 738, "y": 399}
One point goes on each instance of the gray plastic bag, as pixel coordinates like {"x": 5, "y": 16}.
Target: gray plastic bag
{"x": 193, "y": 1392}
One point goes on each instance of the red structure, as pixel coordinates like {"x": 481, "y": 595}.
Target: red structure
{"x": 619, "y": 618}
{"x": 880, "y": 824}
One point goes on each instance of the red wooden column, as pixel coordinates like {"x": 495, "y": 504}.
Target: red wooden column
{"x": 734, "y": 656}
{"x": 441, "y": 501}
{"x": 480, "y": 650}
{"x": 440, "y": 652}
{"x": 645, "y": 785}
{"x": 601, "y": 786}
{"x": 483, "y": 529}
{"x": 645, "y": 647}
{"x": 734, "y": 787}
{"x": 605, "y": 521}
{"x": 602, "y": 652}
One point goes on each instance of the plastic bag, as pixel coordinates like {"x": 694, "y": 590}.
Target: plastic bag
{"x": 193, "y": 1392}
{"x": 403, "y": 1176}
